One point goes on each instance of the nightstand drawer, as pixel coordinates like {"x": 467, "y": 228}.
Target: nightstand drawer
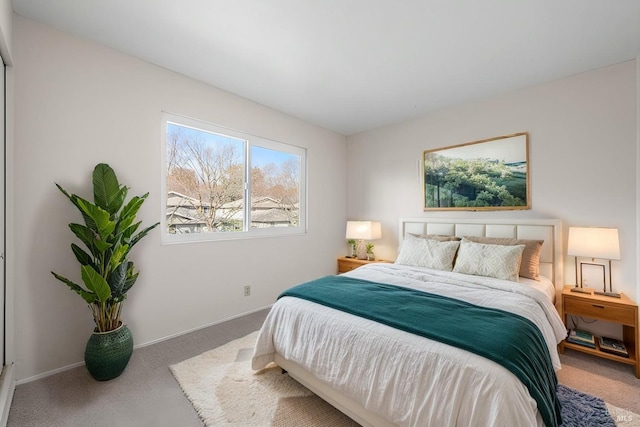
{"x": 600, "y": 310}
{"x": 348, "y": 264}
{"x": 343, "y": 267}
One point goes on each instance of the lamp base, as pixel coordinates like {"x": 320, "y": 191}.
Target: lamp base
{"x": 361, "y": 250}
{"x": 608, "y": 294}
{"x": 581, "y": 290}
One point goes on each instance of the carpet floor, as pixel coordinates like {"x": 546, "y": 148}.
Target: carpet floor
{"x": 225, "y": 392}
{"x": 147, "y": 395}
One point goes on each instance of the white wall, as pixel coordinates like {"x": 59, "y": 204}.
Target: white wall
{"x": 582, "y": 143}
{"x": 77, "y": 104}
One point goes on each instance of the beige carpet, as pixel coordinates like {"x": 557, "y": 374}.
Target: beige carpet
{"x": 225, "y": 391}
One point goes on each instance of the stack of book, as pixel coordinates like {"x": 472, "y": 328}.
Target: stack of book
{"x": 579, "y": 337}
{"x": 613, "y": 346}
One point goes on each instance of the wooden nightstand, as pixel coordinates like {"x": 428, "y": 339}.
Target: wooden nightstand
{"x": 616, "y": 310}
{"x": 347, "y": 264}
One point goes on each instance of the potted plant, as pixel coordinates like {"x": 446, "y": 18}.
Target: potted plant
{"x": 352, "y": 245}
{"x": 108, "y": 234}
{"x": 370, "y": 255}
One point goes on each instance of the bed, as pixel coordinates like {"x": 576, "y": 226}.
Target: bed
{"x": 380, "y": 375}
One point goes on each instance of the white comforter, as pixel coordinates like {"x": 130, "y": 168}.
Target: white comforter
{"x": 407, "y": 379}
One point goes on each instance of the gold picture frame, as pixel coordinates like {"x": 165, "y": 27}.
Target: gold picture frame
{"x": 491, "y": 174}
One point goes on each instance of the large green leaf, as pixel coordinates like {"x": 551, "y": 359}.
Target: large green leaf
{"x": 95, "y": 283}
{"x": 101, "y": 218}
{"x": 135, "y": 239}
{"x": 124, "y": 223}
{"x": 89, "y": 297}
{"x": 131, "y": 209}
{"x": 118, "y": 255}
{"x": 129, "y": 212}
{"x": 74, "y": 199}
{"x": 82, "y": 257}
{"x": 117, "y": 201}
{"x": 131, "y": 278}
{"x": 78, "y": 201}
{"x": 88, "y": 237}
{"x": 126, "y": 234}
{"x": 107, "y": 192}
{"x": 117, "y": 280}
{"x": 64, "y": 192}
{"x": 85, "y": 234}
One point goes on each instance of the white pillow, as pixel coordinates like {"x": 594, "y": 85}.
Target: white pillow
{"x": 482, "y": 259}
{"x": 419, "y": 252}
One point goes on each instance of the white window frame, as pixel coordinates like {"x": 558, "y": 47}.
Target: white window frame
{"x": 250, "y": 140}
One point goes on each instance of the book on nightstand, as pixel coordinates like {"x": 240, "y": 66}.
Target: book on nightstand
{"x": 613, "y": 346}
{"x": 579, "y": 337}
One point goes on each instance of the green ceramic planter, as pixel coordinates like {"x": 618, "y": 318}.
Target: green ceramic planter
{"x": 108, "y": 353}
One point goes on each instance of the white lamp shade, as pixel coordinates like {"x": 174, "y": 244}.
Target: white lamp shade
{"x": 363, "y": 230}
{"x": 594, "y": 242}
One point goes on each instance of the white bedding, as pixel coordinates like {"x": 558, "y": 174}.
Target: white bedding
{"x": 544, "y": 284}
{"x": 407, "y": 379}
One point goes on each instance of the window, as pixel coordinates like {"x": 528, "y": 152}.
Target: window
{"x": 224, "y": 184}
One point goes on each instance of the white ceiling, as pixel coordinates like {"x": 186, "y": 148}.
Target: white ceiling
{"x": 353, "y": 65}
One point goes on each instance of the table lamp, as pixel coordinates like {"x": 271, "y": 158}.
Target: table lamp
{"x": 361, "y": 231}
{"x": 594, "y": 242}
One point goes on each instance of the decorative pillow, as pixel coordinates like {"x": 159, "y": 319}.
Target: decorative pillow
{"x": 480, "y": 259}
{"x": 530, "y": 265}
{"x": 420, "y": 252}
{"x": 438, "y": 237}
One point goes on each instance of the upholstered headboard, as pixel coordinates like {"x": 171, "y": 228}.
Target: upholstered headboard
{"x": 549, "y": 230}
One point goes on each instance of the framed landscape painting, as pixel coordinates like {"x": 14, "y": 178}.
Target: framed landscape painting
{"x": 492, "y": 174}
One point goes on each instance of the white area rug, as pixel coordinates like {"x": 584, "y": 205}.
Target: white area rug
{"x": 225, "y": 391}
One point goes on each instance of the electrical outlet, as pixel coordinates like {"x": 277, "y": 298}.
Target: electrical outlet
{"x": 247, "y": 291}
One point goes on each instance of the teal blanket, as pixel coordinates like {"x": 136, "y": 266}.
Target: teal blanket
{"x": 508, "y": 339}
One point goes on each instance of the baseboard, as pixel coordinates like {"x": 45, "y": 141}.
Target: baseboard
{"x": 156, "y": 341}
{"x": 48, "y": 373}
{"x": 7, "y": 387}
{"x": 168, "y": 337}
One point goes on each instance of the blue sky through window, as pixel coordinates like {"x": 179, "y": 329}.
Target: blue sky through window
{"x": 260, "y": 156}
